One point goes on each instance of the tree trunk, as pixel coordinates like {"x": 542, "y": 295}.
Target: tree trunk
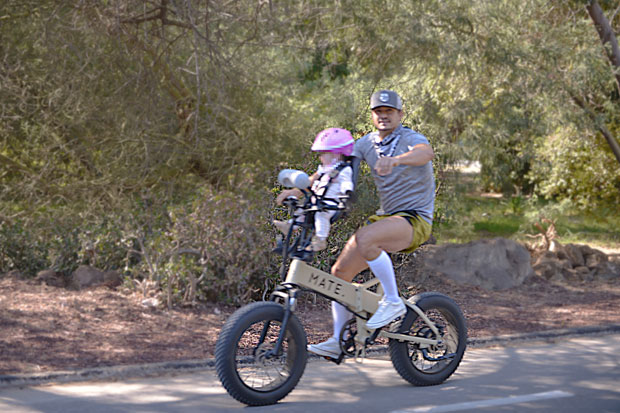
{"x": 607, "y": 35}
{"x": 613, "y": 143}
{"x": 610, "y": 44}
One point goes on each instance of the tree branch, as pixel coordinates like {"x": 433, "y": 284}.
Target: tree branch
{"x": 613, "y": 16}
{"x": 613, "y": 143}
{"x": 14, "y": 164}
{"x": 607, "y": 35}
{"x": 162, "y": 15}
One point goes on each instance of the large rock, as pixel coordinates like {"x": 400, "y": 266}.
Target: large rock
{"x": 573, "y": 253}
{"x": 575, "y": 262}
{"x": 16, "y": 274}
{"x": 607, "y": 271}
{"x": 112, "y": 279}
{"x": 495, "y": 264}
{"x": 595, "y": 258}
{"x": 50, "y": 277}
{"x": 550, "y": 269}
{"x": 86, "y": 276}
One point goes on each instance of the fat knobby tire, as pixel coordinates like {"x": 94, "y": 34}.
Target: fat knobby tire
{"x": 399, "y": 350}
{"x": 226, "y": 347}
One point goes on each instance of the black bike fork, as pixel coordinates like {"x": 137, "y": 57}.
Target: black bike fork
{"x": 288, "y": 310}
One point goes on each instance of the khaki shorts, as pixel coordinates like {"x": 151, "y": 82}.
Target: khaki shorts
{"x": 421, "y": 228}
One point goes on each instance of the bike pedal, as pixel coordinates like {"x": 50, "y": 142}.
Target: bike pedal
{"x": 371, "y": 340}
{"x": 304, "y": 255}
{"x": 335, "y": 360}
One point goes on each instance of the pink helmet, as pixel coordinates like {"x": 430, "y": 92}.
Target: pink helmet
{"x": 334, "y": 140}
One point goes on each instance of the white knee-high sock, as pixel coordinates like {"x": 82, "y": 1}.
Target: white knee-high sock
{"x": 340, "y": 315}
{"x": 383, "y": 269}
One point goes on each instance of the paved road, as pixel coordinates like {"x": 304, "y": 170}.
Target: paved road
{"x": 575, "y": 375}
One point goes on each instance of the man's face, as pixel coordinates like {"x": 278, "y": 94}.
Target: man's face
{"x": 386, "y": 119}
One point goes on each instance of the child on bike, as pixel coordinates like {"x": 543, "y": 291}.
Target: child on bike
{"x": 332, "y": 180}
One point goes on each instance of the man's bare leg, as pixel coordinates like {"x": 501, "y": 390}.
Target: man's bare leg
{"x": 391, "y": 234}
{"x": 368, "y": 246}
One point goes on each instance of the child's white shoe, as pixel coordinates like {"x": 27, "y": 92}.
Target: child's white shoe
{"x": 282, "y": 226}
{"x": 318, "y": 243}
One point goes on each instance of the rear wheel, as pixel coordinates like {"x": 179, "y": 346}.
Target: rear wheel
{"x": 425, "y": 365}
{"x": 244, "y": 358}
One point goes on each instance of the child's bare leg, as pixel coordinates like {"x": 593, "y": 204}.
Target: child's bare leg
{"x": 322, "y": 226}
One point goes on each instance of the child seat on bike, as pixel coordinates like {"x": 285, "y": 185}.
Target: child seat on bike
{"x": 316, "y": 201}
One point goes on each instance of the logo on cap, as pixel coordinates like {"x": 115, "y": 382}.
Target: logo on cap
{"x": 384, "y": 97}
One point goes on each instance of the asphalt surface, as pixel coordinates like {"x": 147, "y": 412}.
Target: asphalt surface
{"x": 176, "y": 367}
{"x": 565, "y": 372}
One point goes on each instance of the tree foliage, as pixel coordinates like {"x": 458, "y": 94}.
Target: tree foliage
{"x": 113, "y": 114}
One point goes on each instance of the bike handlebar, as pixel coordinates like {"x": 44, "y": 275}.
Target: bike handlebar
{"x": 292, "y": 178}
{"x": 296, "y": 244}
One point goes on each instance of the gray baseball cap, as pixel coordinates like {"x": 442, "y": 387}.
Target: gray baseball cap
{"x": 387, "y": 98}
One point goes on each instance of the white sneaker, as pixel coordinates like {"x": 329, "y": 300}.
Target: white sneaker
{"x": 328, "y": 348}
{"x": 318, "y": 243}
{"x": 386, "y": 313}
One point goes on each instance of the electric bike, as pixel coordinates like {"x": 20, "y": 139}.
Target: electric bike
{"x": 261, "y": 350}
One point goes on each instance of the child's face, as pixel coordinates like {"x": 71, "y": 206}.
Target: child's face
{"x": 328, "y": 158}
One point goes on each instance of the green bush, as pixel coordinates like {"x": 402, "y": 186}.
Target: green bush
{"x": 21, "y": 249}
{"x": 578, "y": 167}
{"x": 47, "y": 241}
{"x": 216, "y": 247}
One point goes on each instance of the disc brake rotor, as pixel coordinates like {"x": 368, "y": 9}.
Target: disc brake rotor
{"x": 261, "y": 354}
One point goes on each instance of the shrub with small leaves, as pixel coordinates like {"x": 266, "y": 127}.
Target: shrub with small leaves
{"x": 21, "y": 249}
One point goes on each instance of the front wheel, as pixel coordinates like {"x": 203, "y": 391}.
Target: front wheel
{"x": 426, "y": 365}
{"x": 244, "y": 358}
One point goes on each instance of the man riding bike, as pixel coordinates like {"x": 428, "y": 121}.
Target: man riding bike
{"x": 400, "y": 163}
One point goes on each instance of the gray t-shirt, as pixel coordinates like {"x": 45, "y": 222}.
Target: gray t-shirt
{"x": 407, "y": 187}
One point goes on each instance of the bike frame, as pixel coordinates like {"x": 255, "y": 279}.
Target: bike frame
{"x": 358, "y": 298}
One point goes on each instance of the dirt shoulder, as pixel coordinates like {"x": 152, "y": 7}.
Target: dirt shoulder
{"x": 44, "y": 328}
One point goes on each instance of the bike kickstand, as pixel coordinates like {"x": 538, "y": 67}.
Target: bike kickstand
{"x": 360, "y": 355}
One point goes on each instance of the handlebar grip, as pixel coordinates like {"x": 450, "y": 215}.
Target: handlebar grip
{"x": 290, "y": 200}
{"x": 292, "y": 178}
